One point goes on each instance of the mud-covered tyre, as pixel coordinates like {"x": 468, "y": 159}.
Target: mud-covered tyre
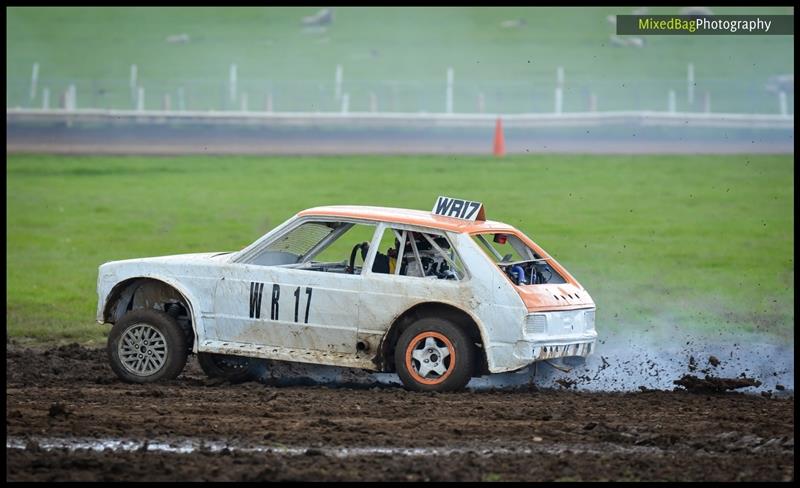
{"x": 146, "y": 346}
{"x": 235, "y": 369}
{"x": 434, "y": 354}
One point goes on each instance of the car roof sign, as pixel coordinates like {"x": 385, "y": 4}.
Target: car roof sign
{"x": 459, "y": 209}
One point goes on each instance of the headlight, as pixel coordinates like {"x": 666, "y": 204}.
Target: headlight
{"x": 536, "y": 323}
{"x": 589, "y": 319}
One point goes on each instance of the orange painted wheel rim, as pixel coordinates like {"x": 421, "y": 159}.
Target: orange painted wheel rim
{"x": 430, "y": 358}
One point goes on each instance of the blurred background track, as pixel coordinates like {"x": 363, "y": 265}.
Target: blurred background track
{"x": 320, "y": 140}
{"x": 98, "y": 131}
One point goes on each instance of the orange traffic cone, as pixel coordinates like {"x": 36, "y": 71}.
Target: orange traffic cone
{"x": 499, "y": 141}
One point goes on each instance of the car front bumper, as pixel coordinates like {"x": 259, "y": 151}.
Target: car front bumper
{"x": 513, "y": 356}
{"x": 541, "y": 350}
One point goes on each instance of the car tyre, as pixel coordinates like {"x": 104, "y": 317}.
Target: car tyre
{"x": 434, "y": 354}
{"x": 146, "y": 346}
{"x": 234, "y": 369}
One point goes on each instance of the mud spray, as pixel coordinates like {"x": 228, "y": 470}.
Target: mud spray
{"x": 634, "y": 361}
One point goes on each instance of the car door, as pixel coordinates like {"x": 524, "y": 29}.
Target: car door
{"x": 387, "y": 295}
{"x": 298, "y": 309}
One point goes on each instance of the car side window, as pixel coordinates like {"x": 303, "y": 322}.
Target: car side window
{"x": 328, "y": 246}
{"x": 417, "y": 254}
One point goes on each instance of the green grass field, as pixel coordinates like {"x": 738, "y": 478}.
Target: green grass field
{"x": 94, "y": 48}
{"x": 696, "y": 243}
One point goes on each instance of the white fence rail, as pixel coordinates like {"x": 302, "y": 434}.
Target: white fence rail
{"x": 385, "y": 119}
{"x": 540, "y": 93}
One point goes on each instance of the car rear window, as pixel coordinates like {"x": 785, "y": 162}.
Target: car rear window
{"x": 521, "y": 263}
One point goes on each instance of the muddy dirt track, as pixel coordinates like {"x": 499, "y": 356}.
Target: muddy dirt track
{"x": 64, "y": 405}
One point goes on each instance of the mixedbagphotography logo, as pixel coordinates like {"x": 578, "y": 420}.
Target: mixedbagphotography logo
{"x": 705, "y": 24}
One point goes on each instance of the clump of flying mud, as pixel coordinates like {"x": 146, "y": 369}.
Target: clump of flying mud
{"x": 712, "y": 384}
{"x": 669, "y": 360}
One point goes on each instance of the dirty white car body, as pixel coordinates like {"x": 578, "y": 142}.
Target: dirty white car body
{"x": 266, "y": 302}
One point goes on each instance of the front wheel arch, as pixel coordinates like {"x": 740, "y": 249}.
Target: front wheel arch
{"x": 120, "y": 300}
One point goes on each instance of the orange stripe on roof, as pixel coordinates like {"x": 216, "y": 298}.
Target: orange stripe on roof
{"x": 405, "y": 216}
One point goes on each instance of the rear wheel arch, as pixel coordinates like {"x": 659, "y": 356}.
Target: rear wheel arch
{"x": 151, "y": 293}
{"x": 432, "y": 309}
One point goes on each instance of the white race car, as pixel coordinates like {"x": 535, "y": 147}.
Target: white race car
{"x": 437, "y": 297}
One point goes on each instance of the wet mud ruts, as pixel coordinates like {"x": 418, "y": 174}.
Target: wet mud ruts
{"x": 523, "y": 434}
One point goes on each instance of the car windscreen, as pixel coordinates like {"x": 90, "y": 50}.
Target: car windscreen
{"x": 292, "y": 246}
{"x": 302, "y": 239}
